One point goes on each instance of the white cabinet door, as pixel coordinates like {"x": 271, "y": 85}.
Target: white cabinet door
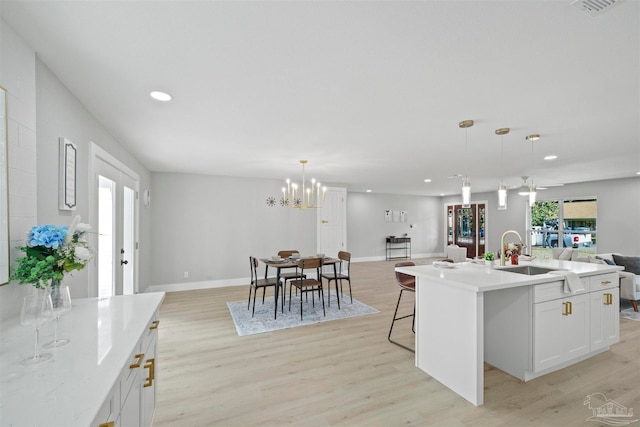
{"x": 605, "y": 322}
{"x": 560, "y": 331}
{"x": 130, "y": 411}
{"x": 148, "y": 391}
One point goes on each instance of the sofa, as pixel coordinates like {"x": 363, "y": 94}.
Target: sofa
{"x": 629, "y": 278}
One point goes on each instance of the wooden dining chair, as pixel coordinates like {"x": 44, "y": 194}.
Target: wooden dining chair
{"x": 257, "y": 283}
{"x": 288, "y": 276}
{"x": 306, "y": 285}
{"x": 406, "y": 283}
{"x": 341, "y": 274}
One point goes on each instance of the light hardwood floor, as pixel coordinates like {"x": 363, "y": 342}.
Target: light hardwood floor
{"x": 346, "y": 373}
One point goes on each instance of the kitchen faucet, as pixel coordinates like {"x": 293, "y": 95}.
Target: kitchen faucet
{"x": 502, "y": 251}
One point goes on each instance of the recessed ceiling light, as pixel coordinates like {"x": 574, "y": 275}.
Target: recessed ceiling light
{"x": 368, "y": 191}
{"x": 160, "y": 96}
{"x": 551, "y": 157}
{"x": 532, "y": 137}
{"x": 441, "y": 194}
{"x": 427, "y": 180}
{"x": 638, "y": 173}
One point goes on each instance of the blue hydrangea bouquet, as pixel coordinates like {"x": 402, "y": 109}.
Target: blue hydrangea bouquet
{"x": 51, "y": 251}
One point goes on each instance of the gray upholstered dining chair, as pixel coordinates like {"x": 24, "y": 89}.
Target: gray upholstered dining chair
{"x": 257, "y": 283}
{"x": 406, "y": 283}
{"x": 306, "y": 285}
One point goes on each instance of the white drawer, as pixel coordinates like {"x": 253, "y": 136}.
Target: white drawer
{"x": 150, "y": 332}
{"x": 131, "y": 370}
{"x": 604, "y": 281}
{"x": 552, "y": 290}
{"x": 110, "y": 408}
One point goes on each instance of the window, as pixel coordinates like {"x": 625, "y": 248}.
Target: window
{"x": 573, "y": 219}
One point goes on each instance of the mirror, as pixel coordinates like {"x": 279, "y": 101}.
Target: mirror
{"x": 4, "y": 191}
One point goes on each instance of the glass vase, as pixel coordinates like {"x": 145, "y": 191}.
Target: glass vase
{"x": 60, "y": 304}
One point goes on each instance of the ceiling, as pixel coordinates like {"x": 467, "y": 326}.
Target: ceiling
{"x": 370, "y": 92}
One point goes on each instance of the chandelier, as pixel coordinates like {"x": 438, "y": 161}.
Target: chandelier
{"x": 305, "y": 196}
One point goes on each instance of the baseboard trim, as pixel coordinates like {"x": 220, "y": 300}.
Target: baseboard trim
{"x": 244, "y": 281}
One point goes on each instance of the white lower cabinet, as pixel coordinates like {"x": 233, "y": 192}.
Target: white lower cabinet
{"x": 570, "y": 327}
{"x": 605, "y": 324}
{"x": 561, "y": 331}
{"x": 133, "y": 401}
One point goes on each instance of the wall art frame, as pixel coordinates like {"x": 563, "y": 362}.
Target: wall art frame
{"x": 68, "y": 168}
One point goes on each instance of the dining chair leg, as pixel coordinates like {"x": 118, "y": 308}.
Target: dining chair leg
{"x": 264, "y": 291}
{"x": 289, "y": 296}
{"x": 249, "y": 300}
{"x": 253, "y": 311}
{"x": 324, "y": 312}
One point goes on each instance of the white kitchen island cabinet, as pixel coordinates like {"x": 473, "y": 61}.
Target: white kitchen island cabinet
{"x": 525, "y": 325}
{"x": 105, "y": 376}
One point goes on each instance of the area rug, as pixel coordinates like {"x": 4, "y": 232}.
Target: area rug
{"x": 263, "y": 320}
{"x": 628, "y": 313}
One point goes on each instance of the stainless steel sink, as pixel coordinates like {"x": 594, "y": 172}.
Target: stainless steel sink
{"x": 529, "y": 270}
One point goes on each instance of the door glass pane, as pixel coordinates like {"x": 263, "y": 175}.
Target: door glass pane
{"x": 106, "y": 235}
{"x": 128, "y": 253}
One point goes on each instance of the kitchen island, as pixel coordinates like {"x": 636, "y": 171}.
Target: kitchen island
{"x": 525, "y": 325}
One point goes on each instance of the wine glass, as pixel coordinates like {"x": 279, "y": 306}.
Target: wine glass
{"x": 60, "y": 304}
{"x": 35, "y": 311}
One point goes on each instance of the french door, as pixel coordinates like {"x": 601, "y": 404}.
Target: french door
{"x": 114, "y": 213}
{"x": 466, "y": 227}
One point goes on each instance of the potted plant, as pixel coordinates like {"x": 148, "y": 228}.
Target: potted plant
{"x": 489, "y": 258}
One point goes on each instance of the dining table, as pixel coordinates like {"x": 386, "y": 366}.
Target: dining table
{"x": 285, "y": 263}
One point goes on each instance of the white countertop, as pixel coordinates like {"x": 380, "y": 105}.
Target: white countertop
{"x": 70, "y": 388}
{"x": 481, "y": 278}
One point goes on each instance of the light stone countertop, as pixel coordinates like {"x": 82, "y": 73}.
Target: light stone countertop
{"x": 481, "y": 278}
{"x": 70, "y": 388}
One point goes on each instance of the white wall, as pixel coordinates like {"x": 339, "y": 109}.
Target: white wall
{"x": 60, "y": 114}
{"x": 208, "y": 226}
{"x": 17, "y": 75}
{"x": 367, "y": 229}
{"x": 40, "y": 110}
{"x": 618, "y": 219}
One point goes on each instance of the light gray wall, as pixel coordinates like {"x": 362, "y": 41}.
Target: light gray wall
{"x": 618, "y": 219}
{"x": 367, "y": 229}
{"x": 60, "y": 114}
{"x": 17, "y": 75}
{"x": 209, "y": 226}
{"x": 40, "y": 110}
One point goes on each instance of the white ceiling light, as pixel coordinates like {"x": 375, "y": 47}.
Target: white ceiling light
{"x": 550, "y": 157}
{"x": 160, "y": 96}
{"x": 368, "y": 191}
{"x": 466, "y": 183}
{"x": 427, "y": 180}
{"x": 502, "y": 189}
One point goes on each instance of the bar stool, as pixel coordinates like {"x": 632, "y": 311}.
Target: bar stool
{"x": 406, "y": 283}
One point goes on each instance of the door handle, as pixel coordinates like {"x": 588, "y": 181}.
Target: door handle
{"x": 124, "y": 262}
{"x": 324, "y": 221}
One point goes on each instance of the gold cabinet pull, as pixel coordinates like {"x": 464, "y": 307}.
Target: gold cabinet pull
{"x": 608, "y": 299}
{"x": 150, "y": 365}
{"x": 139, "y": 356}
{"x": 605, "y": 282}
{"x": 154, "y": 324}
{"x": 566, "y": 308}
{"x": 109, "y": 424}
{"x": 324, "y": 221}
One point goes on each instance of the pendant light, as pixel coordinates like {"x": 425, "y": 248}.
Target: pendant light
{"x": 466, "y": 183}
{"x": 502, "y": 189}
{"x": 532, "y": 188}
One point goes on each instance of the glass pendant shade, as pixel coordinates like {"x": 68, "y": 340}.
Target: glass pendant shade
{"x": 466, "y": 193}
{"x": 532, "y": 195}
{"x": 502, "y": 197}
